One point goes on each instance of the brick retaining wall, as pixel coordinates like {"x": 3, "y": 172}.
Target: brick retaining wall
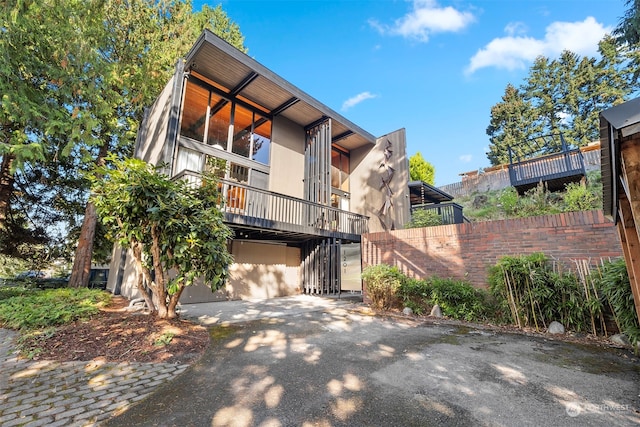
{"x": 465, "y": 251}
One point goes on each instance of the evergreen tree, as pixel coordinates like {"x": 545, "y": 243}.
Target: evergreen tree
{"x": 512, "y": 124}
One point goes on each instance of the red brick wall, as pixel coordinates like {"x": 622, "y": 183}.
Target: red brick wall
{"x": 465, "y": 251}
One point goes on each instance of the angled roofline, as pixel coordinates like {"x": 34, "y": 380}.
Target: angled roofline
{"x": 208, "y": 37}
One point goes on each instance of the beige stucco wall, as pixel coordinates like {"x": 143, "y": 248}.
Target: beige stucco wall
{"x": 367, "y": 196}
{"x": 128, "y": 288}
{"x": 261, "y": 270}
{"x": 287, "y": 158}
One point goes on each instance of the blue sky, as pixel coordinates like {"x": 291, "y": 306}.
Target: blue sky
{"x": 434, "y": 68}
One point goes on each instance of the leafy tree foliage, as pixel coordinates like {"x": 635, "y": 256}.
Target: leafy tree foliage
{"x": 76, "y": 77}
{"x": 421, "y": 170}
{"x": 511, "y": 122}
{"x": 563, "y": 95}
{"x": 174, "y": 225}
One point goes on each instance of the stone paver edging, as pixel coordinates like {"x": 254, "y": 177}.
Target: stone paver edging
{"x": 46, "y": 393}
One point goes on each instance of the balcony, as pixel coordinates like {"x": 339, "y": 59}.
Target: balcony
{"x": 423, "y": 196}
{"x": 449, "y": 212}
{"x": 552, "y": 162}
{"x": 262, "y": 214}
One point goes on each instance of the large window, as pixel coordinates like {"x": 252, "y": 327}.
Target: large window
{"x": 339, "y": 177}
{"x": 194, "y": 113}
{"x": 207, "y": 117}
{"x": 219, "y": 120}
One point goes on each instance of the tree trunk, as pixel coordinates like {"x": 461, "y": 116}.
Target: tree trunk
{"x": 143, "y": 274}
{"x": 82, "y": 261}
{"x": 6, "y": 189}
{"x": 84, "y": 251}
{"x": 160, "y": 290}
{"x": 173, "y": 303}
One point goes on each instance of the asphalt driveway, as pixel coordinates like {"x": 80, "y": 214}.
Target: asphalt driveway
{"x": 335, "y": 366}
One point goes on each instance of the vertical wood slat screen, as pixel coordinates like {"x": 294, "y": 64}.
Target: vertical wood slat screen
{"x": 317, "y": 156}
{"x": 321, "y": 267}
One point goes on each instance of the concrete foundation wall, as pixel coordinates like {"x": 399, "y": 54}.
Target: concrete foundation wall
{"x": 260, "y": 271}
{"x": 465, "y": 251}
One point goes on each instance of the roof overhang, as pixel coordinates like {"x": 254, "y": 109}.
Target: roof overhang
{"x": 222, "y": 63}
{"x": 420, "y": 192}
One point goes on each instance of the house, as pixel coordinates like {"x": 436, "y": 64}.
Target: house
{"x": 300, "y": 182}
{"x": 620, "y": 165}
{"x": 423, "y": 196}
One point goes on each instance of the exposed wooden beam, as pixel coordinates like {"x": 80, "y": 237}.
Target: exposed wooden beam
{"x": 627, "y": 231}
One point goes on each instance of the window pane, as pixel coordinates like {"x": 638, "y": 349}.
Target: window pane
{"x": 218, "y": 133}
{"x": 339, "y": 169}
{"x": 194, "y": 112}
{"x": 242, "y": 123}
{"x": 261, "y": 140}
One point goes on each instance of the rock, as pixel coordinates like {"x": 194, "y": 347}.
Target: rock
{"x": 435, "y": 311}
{"x": 555, "y": 328}
{"x": 620, "y": 339}
{"x": 479, "y": 201}
{"x": 407, "y": 311}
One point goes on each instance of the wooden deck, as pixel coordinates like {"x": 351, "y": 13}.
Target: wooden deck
{"x": 264, "y": 213}
{"x": 555, "y": 170}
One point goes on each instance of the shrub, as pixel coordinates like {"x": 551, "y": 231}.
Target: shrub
{"x": 615, "y": 286}
{"x": 416, "y": 294}
{"x": 579, "y": 198}
{"x": 383, "y": 283}
{"x": 40, "y": 309}
{"x": 424, "y": 218}
{"x": 529, "y": 292}
{"x": 508, "y": 200}
{"x": 458, "y": 299}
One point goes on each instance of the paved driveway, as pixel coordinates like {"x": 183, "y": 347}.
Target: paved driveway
{"x": 334, "y": 366}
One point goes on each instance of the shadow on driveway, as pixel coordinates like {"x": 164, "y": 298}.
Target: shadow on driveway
{"x": 334, "y": 366}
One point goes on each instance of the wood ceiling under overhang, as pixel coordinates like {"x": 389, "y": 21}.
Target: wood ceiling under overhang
{"x": 217, "y": 60}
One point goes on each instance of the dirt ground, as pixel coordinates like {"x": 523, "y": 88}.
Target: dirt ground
{"x": 120, "y": 335}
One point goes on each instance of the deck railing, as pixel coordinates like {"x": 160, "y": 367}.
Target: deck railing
{"x": 450, "y": 212}
{"x": 245, "y": 205}
{"x": 547, "y": 168}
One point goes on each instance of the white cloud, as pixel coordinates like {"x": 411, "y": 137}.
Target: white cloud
{"x": 426, "y": 18}
{"x": 465, "y": 158}
{"x": 514, "y": 28}
{"x": 515, "y": 52}
{"x": 355, "y": 100}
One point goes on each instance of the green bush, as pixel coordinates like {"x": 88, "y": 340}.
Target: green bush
{"x": 383, "y": 282}
{"x": 416, "y": 294}
{"x": 615, "y": 286}
{"x": 529, "y": 293}
{"x": 14, "y": 291}
{"x": 40, "y": 309}
{"x": 578, "y": 197}
{"x": 458, "y": 299}
{"x": 508, "y": 200}
{"x": 424, "y": 218}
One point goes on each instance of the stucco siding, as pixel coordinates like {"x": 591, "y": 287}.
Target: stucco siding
{"x": 287, "y": 158}
{"x": 369, "y": 175}
{"x": 150, "y": 146}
